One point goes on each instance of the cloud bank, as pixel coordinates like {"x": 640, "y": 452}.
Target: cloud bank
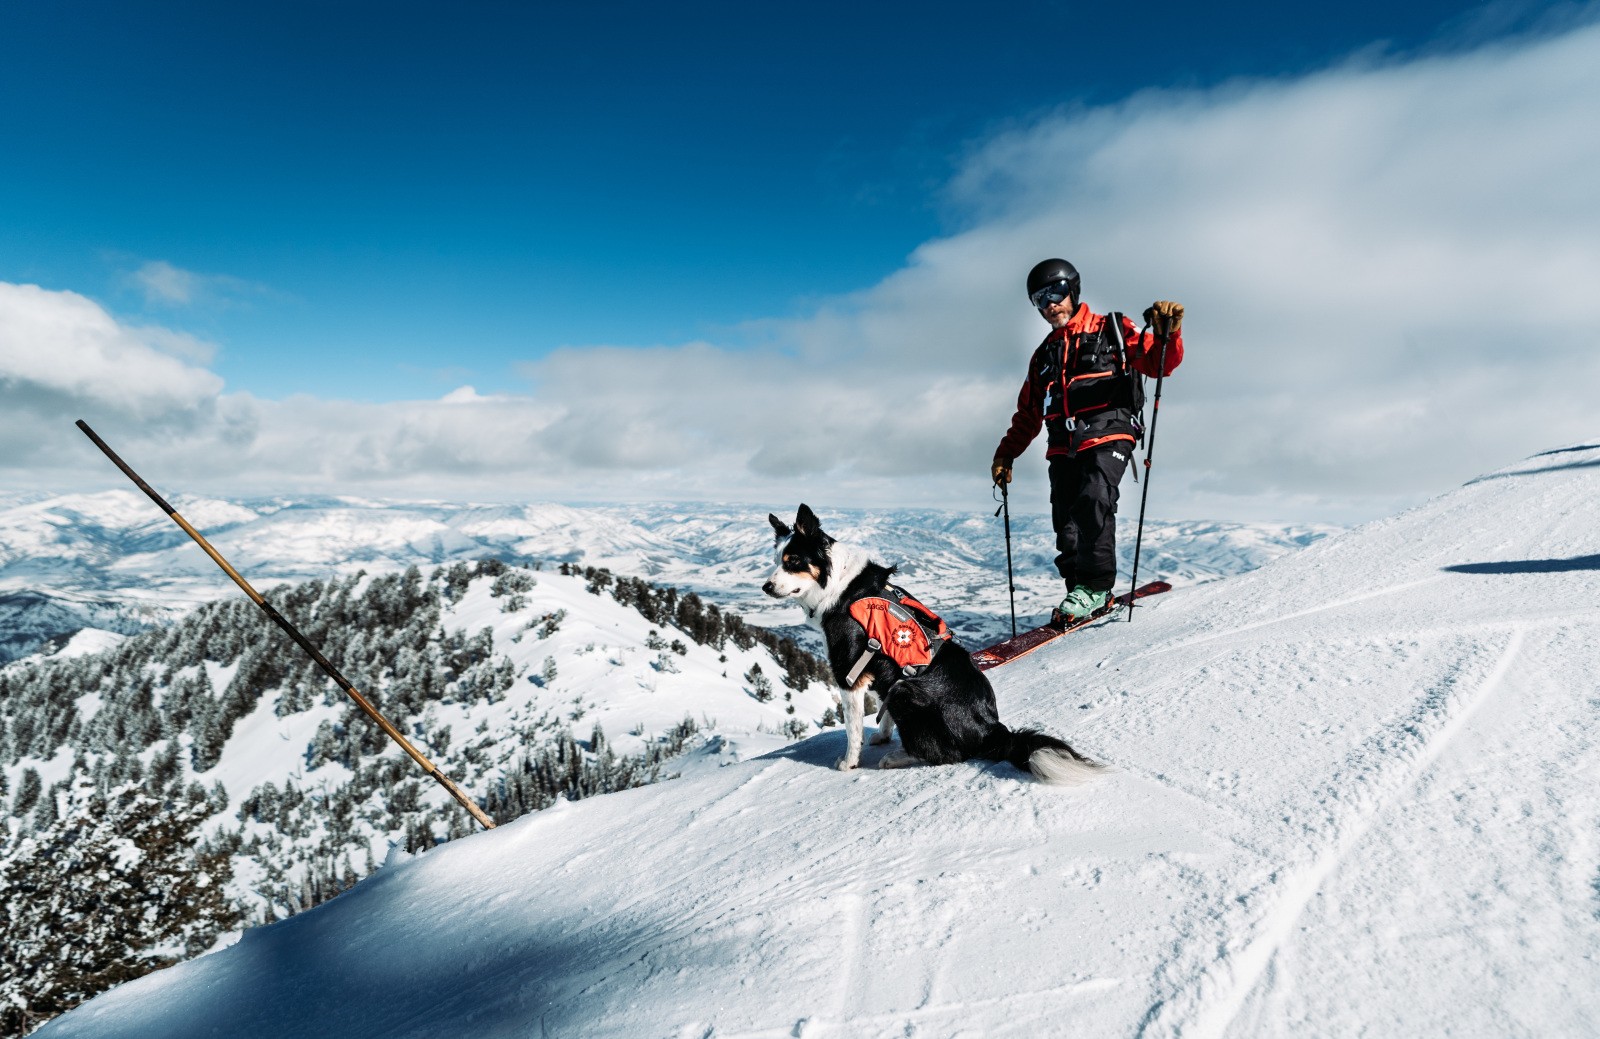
{"x": 1390, "y": 270}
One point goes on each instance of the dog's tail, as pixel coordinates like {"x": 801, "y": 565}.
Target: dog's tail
{"x": 1049, "y": 760}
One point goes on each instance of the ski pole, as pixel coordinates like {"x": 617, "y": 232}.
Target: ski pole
{"x": 1005, "y": 507}
{"x": 277, "y": 618}
{"x": 1149, "y": 449}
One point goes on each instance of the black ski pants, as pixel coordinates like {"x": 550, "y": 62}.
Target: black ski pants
{"x": 1083, "y": 508}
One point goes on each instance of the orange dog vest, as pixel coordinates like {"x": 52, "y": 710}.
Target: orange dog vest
{"x": 900, "y": 627}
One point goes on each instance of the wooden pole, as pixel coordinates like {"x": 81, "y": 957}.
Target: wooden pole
{"x": 277, "y": 618}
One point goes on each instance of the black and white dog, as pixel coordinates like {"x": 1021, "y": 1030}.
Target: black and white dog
{"x": 946, "y": 713}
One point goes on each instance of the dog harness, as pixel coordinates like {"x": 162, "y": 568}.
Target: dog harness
{"x": 901, "y": 628}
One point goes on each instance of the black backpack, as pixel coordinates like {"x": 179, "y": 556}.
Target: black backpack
{"x": 1104, "y": 350}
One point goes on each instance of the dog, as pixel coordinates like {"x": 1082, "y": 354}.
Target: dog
{"x": 946, "y": 712}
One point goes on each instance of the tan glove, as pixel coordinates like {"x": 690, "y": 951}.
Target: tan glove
{"x": 1165, "y": 316}
{"x": 1000, "y": 470}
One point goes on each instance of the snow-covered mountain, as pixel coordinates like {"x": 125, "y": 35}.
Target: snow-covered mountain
{"x": 32, "y": 620}
{"x": 1352, "y": 792}
{"x": 112, "y": 561}
{"x": 481, "y": 665}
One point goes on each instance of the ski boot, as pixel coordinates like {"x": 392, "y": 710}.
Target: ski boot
{"x": 1080, "y": 604}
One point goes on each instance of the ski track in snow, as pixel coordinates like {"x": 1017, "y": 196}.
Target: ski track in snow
{"x": 1209, "y": 1004}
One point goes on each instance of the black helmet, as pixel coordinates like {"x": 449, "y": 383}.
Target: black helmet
{"x": 1049, "y": 273}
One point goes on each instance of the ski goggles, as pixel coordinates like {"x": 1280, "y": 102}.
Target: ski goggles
{"x": 1050, "y": 295}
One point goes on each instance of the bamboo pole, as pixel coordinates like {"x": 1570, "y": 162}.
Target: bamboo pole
{"x": 277, "y": 618}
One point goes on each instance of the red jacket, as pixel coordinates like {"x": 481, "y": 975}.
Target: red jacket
{"x": 1086, "y": 404}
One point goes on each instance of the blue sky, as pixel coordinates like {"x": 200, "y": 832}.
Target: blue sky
{"x": 393, "y": 199}
{"x": 387, "y": 202}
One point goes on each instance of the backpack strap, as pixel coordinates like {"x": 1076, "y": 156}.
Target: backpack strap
{"x": 873, "y": 648}
{"x": 1135, "y": 378}
{"x": 1120, "y": 357}
{"x": 931, "y": 623}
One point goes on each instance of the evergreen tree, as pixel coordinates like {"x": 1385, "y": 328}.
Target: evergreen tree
{"x": 760, "y": 685}
{"x": 29, "y": 787}
{"x": 165, "y": 767}
{"x": 46, "y": 812}
{"x": 79, "y": 913}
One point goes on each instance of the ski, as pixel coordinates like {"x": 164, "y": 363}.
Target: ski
{"x": 1028, "y": 641}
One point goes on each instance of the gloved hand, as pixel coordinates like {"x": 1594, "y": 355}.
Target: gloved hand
{"x": 1000, "y": 470}
{"x": 1165, "y": 316}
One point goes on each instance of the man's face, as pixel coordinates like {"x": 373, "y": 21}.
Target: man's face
{"x": 1058, "y": 313}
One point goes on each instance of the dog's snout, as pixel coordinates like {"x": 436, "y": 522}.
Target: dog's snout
{"x": 767, "y": 587}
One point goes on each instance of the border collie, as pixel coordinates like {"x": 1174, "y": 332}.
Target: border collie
{"x": 946, "y": 713}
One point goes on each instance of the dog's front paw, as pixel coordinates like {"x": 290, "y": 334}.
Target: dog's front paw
{"x": 843, "y": 765}
{"x": 880, "y": 737}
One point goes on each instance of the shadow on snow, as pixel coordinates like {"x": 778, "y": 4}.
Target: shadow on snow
{"x": 1529, "y": 566}
{"x": 1535, "y": 472}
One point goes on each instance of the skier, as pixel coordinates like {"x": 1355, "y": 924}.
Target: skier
{"x": 1083, "y": 383}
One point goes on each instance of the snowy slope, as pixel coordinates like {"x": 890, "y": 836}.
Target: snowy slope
{"x": 114, "y": 548}
{"x": 1356, "y": 791}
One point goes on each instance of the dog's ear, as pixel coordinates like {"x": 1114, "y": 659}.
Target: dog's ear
{"x": 778, "y": 525}
{"x": 805, "y": 521}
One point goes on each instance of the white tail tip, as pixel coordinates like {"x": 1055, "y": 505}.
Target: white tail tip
{"x": 1060, "y": 768}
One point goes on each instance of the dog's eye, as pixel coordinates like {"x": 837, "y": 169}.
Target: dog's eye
{"x": 791, "y": 563}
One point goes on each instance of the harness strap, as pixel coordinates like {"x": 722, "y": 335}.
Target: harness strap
{"x": 1114, "y": 319}
{"x": 873, "y": 646}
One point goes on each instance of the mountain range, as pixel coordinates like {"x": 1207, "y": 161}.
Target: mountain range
{"x": 113, "y": 562}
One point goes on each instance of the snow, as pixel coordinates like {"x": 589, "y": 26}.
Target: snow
{"x": 115, "y": 548}
{"x": 617, "y": 682}
{"x": 88, "y": 641}
{"x": 264, "y": 747}
{"x": 1356, "y": 791}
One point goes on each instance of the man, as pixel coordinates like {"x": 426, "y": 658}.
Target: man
{"x": 1084, "y": 385}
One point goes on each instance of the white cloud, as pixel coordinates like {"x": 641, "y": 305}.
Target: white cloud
{"x": 163, "y": 284}
{"x": 60, "y": 346}
{"x": 1389, "y": 270}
